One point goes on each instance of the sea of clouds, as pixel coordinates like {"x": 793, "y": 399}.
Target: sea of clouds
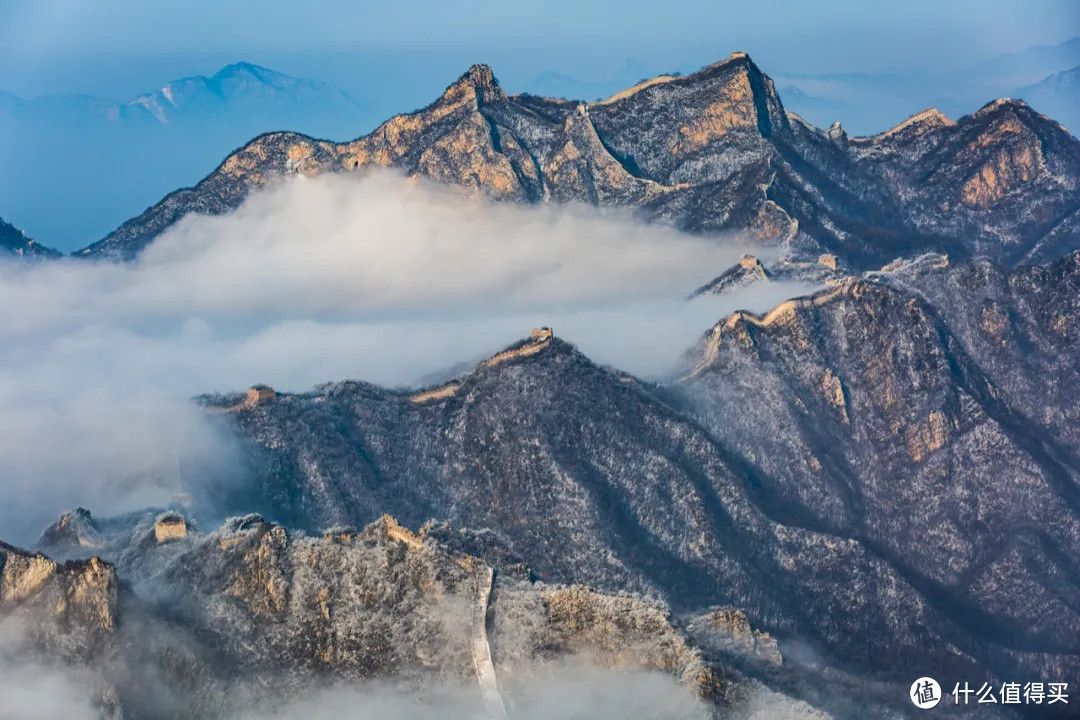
{"x": 380, "y": 278}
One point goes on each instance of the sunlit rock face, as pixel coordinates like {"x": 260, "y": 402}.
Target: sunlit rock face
{"x": 80, "y": 594}
{"x": 63, "y": 613}
{"x": 711, "y": 152}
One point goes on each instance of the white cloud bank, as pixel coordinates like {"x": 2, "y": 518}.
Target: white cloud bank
{"x": 32, "y": 691}
{"x": 380, "y": 278}
{"x": 569, "y": 692}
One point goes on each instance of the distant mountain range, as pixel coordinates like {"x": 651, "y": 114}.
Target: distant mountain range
{"x": 869, "y": 103}
{"x": 1058, "y": 96}
{"x": 99, "y": 158}
{"x": 1030, "y": 65}
{"x": 560, "y": 85}
{"x": 234, "y": 91}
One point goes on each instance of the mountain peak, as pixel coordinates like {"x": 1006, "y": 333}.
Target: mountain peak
{"x": 243, "y": 70}
{"x": 1016, "y": 113}
{"x": 736, "y": 57}
{"x": 477, "y": 84}
{"x": 14, "y": 241}
{"x": 243, "y": 67}
{"x": 762, "y": 93}
{"x": 737, "y": 61}
{"x": 727, "y": 102}
{"x": 1013, "y": 106}
{"x": 919, "y": 123}
{"x": 1001, "y": 104}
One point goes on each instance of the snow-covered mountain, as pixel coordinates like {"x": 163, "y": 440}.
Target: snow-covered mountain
{"x": 1000, "y": 182}
{"x": 242, "y": 88}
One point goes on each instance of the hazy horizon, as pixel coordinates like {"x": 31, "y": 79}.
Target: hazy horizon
{"x": 57, "y": 46}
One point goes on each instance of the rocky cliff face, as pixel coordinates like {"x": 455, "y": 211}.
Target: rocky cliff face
{"x": 710, "y": 152}
{"x": 238, "y": 619}
{"x": 61, "y": 613}
{"x": 901, "y": 411}
{"x": 14, "y": 242}
{"x": 80, "y": 596}
{"x": 1019, "y": 326}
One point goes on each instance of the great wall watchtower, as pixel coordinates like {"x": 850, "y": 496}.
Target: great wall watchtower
{"x": 170, "y": 526}
{"x": 257, "y": 394}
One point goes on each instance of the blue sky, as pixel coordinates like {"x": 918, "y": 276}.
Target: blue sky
{"x": 117, "y": 48}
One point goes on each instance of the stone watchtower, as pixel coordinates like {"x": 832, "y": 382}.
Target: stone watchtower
{"x": 260, "y": 394}
{"x": 170, "y": 526}
{"x": 541, "y": 334}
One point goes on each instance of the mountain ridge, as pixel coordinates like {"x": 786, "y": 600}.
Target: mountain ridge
{"x": 807, "y": 474}
{"x": 694, "y": 151}
{"x": 1057, "y": 93}
{"x": 492, "y": 400}
{"x": 14, "y": 242}
{"x": 230, "y": 625}
{"x": 173, "y": 90}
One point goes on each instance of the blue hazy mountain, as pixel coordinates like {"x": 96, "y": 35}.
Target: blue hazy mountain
{"x": 1030, "y": 65}
{"x": 559, "y": 85}
{"x": 1057, "y": 96}
{"x": 869, "y": 103}
{"x": 101, "y": 160}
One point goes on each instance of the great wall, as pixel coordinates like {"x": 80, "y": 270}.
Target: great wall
{"x": 539, "y": 340}
{"x": 782, "y": 314}
{"x": 481, "y": 649}
{"x": 256, "y": 395}
{"x": 440, "y": 393}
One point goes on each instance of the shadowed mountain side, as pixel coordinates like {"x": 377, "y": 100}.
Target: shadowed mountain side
{"x": 14, "y": 242}
{"x": 872, "y": 418}
{"x": 706, "y": 496}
